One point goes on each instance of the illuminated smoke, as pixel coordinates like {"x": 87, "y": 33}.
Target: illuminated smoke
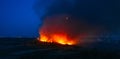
{"x": 75, "y": 18}
{"x": 65, "y": 29}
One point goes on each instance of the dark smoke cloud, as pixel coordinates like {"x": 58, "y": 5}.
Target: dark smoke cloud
{"x": 101, "y": 13}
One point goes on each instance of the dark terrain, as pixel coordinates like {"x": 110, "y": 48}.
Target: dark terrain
{"x": 30, "y": 48}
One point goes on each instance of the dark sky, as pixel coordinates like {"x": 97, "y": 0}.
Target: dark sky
{"x": 21, "y": 18}
{"x": 17, "y": 18}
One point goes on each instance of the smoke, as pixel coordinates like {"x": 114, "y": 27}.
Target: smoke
{"x": 96, "y": 17}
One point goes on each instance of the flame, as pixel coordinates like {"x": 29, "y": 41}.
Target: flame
{"x": 44, "y": 38}
{"x": 62, "y": 39}
{"x": 57, "y": 38}
{"x": 64, "y": 30}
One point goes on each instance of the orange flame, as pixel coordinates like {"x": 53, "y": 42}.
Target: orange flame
{"x": 57, "y": 38}
{"x": 64, "y": 30}
{"x": 55, "y": 30}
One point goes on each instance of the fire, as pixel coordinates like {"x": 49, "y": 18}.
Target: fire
{"x": 62, "y": 39}
{"x": 55, "y": 30}
{"x": 44, "y": 39}
{"x": 64, "y": 30}
{"x": 57, "y": 38}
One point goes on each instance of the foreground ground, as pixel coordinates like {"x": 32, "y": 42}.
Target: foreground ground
{"x": 30, "y": 48}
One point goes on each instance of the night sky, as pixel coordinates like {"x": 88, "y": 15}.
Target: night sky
{"x": 22, "y": 18}
{"x": 18, "y": 19}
